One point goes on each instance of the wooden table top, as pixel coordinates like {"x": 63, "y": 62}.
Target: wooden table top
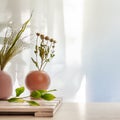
{"x": 77, "y": 111}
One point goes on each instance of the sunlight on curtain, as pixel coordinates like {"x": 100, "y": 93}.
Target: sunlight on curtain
{"x": 73, "y": 20}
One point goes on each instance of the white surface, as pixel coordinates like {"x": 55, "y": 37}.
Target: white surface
{"x": 75, "y": 111}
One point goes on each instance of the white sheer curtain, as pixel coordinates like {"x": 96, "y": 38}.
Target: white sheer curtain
{"x": 87, "y": 34}
{"x": 101, "y": 50}
{"x": 59, "y": 19}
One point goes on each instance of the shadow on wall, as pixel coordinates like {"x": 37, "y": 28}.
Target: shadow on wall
{"x": 101, "y": 51}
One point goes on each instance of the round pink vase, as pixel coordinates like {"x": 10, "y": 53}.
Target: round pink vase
{"x": 5, "y": 85}
{"x": 37, "y": 80}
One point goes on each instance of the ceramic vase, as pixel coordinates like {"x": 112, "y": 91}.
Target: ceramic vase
{"x": 37, "y": 80}
{"x": 5, "y": 85}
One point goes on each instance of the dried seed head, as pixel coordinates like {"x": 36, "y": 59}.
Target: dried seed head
{"x": 47, "y": 38}
{"x": 35, "y": 51}
{"x": 51, "y": 40}
{"x": 54, "y": 41}
{"x": 53, "y": 46}
{"x": 42, "y": 36}
{"x": 38, "y": 34}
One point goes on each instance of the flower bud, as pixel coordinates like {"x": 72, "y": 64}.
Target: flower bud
{"x": 38, "y": 34}
{"x": 54, "y": 41}
{"x": 51, "y": 40}
{"x": 42, "y": 36}
{"x": 53, "y": 46}
{"x": 47, "y": 38}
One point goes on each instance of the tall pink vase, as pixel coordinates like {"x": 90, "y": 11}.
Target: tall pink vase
{"x": 5, "y": 85}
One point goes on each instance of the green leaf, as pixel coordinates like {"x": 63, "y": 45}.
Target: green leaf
{"x": 10, "y": 49}
{"x": 47, "y": 60}
{"x": 42, "y": 91}
{"x": 52, "y": 55}
{"x": 19, "y": 91}
{"x": 20, "y": 33}
{"x": 16, "y": 100}
{"x": 33, "y": 103}
{"x": 48, "y": 96}
{"x": 36, "y": 94}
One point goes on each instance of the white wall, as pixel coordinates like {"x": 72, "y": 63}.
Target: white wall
{"x": 101, "y": 50}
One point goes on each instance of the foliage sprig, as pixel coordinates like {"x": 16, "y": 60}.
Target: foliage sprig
{"x": 12, "y": 45}
{"x": 37, "y": 94}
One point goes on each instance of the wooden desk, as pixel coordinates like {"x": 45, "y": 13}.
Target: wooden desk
{"x": 75, "y": 111}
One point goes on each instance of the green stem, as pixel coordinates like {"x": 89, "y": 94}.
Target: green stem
{"x": 24, "y": 97}
{"x": 52, "y": 90}
{"x": 41, "y": 65}
{"x": 4, "y": 63}
{"x": 45, "y": 63}
{"x": 37, "y": 52}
